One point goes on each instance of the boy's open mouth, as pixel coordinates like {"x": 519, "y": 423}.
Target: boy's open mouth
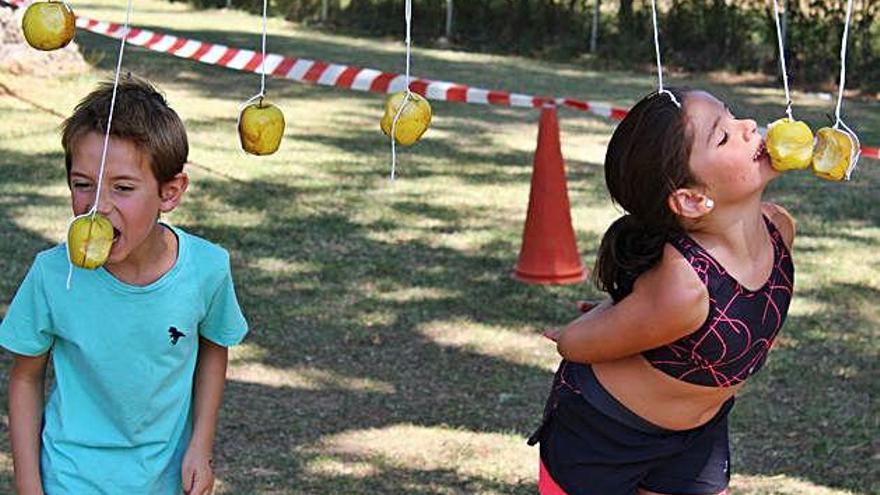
{"x": 116, "y": 234}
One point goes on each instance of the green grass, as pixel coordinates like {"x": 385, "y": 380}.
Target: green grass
{"x": 391, "y": 352}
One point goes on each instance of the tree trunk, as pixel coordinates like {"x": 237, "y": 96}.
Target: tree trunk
{"x": 325, "y": 10}
{"x": 624, "y": 14}
{"x": 449, "y": 17}
{"x": 594, "y": 32}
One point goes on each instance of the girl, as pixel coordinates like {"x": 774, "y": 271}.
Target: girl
{"x": 700, "y": 275}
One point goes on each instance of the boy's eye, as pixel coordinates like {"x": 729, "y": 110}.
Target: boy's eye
{"x": 723, "y": 139}
{"x": 81, "y": 185}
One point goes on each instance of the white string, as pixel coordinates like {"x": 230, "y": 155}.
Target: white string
{"x": 263, "y": 60}
{"x": 94, "y": 209}
{"x": 262, "y": 92}
{"x": 856, "y": 149}
{"x": 408, "y": 94}
{"x": 782, "y": 61}
{"x": 843, "y": 62}
{"x": 660, "y": 88}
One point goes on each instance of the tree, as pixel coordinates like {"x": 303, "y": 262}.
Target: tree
{"x": 449, "y": 16}
{"x": 594, "y": 31}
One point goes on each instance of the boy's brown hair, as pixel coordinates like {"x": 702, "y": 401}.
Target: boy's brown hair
{"x": 140, "y": 115}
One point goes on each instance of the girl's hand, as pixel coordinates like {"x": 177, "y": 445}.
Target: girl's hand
{"x": 553, "y": 333}
{"x": 198, "y": 472}
{"x": 584, "y": 306}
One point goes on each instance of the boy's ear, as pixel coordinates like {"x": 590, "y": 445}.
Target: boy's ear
{"x": 171, "y": 192}
{"x": 689, "y": 203}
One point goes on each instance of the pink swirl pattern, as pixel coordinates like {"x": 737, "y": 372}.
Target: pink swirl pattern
{"x": 741, "y": 326}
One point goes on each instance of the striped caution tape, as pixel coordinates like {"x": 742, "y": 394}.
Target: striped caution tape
{"x": 341, "y": 76}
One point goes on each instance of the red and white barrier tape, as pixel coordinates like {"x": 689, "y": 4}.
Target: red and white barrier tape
{"x": 341, "y": 76}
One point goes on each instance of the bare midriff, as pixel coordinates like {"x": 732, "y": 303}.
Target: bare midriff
{"x": 659, "y": 398}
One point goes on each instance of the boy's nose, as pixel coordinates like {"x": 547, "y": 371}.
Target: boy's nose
{"x": 104, "y": 205}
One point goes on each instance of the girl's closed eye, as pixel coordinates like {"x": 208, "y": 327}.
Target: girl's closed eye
{"x": 123, "y": 188}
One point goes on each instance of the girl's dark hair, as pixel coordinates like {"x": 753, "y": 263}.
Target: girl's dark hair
{"x": 647, "y": 159}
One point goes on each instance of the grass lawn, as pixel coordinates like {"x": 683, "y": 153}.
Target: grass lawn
{"x": 390, "y": 351}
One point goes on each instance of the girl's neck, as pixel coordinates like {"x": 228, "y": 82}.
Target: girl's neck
{"x": 738, "y": 230}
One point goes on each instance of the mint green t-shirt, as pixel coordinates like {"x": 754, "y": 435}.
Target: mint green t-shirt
{"x": 118, "y": 419}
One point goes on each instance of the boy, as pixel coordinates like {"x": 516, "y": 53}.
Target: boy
{"x": 139, "y": 345}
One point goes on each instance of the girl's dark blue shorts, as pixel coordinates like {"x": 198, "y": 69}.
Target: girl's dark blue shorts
{"x": 591, "y": 444}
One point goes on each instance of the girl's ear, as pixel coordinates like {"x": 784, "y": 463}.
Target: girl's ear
{"x": 689, "y": 203}
{"x": 171, "y": 192}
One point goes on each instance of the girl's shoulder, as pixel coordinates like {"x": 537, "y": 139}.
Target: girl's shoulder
{"x": 783, "y": 221}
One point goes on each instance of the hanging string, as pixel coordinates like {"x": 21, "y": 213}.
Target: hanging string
{"x": 660, "y": 88}
{"x": 843, "y": 62}
{"x": 408, "y": 93}
{"x": 262, "y": 93}
{"x": 856, "y": 149}
{"x": 782, "y": 60}
{"x": 94, "y": 210}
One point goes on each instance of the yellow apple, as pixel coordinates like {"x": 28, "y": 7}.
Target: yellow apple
{"x": 48, "y": 25}
{"x": 834, "y": 150}
{"x": 790, "y": 144}
{"x": 89, "y": 240}
{"x": 260, "y": 127}
{"x": 413, "y": 121}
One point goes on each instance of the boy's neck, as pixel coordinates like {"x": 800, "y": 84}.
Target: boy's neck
{"x": 152, "y": 259}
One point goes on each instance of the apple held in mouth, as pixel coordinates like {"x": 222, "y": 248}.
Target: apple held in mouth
{"x": 834, "y": 152}
{"x": 89, "y": 240}
{"x": 413, "y": 121}
{"x": 790, "y": 144}
{"x": 48, "y": 25}
{"x": 260, "y": 127}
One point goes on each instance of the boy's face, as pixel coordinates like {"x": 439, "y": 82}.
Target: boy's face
{"x": 131, "y": 197}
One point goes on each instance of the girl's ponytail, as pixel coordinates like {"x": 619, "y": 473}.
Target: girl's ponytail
{"x": 646, "y": 161}
{"x": 628, "y": 249}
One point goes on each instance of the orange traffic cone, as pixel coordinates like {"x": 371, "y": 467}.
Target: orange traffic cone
{"x": 549, "y": 253}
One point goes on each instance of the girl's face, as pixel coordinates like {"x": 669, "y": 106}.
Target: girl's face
{"x": 728, "y": 156}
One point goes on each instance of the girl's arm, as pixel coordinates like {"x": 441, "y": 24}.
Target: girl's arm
{"x": 197, "y": 469}
{"x": 25, "y": 420}
{"x": 667, "y": 302}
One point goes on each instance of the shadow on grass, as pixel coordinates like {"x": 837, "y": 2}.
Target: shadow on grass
{"x": 335, "y": 310}
{"x": 337, "y": 315}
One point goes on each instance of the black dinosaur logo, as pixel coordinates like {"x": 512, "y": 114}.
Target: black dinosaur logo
{"x": 175, "y": 335}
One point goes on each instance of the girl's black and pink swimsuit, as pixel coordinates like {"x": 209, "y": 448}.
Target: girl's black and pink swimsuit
{"x": 742, "y": 324}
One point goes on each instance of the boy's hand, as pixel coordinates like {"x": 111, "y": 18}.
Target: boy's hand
{"x": 198, "y": 472}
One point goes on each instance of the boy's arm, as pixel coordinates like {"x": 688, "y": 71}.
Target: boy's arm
{"x": 198, "y": 476}
{"x": 25, "y": 420}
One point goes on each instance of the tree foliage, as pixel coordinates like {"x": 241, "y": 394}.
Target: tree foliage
{"x": 737, "y": 35}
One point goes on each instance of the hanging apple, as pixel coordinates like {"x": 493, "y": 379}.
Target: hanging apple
{"x": 790, "y": 144}
{"x": 48, "y": 25}
{"x": 89, "y": 240}
{"x": 260, "y": 127}
{"x": 834, "y": 151}
{"x": 413, "y": 121}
